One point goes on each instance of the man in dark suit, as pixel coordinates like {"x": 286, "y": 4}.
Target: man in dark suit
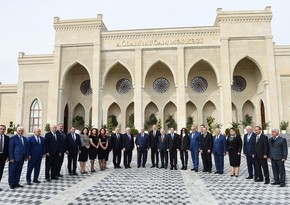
{"x": 261, "y": 153}
{"x": 128, "y": 147}
{"x": 61, "y": 139}
{"x": 278, "y": 151}
{"x": 219, "y": 150}
{"x": 206, "y": 143}
{"x": 163, "y": 148}
{"x": 142, "y": 144}
{"x": 35, "y": 152}
{"x": 153, "y": 144}
{"x": 17, "y": 154}
{"x": 116, "y": 146}
{"x": 194, "y": 138}
{"x": 183, "y": 146}
{"x": 249, "y": 143}
{"x": 172, "y": 146}
{"x": 73, "y": 147}
{"x": 4, "y": 143}
{"x": 51, "y": 141}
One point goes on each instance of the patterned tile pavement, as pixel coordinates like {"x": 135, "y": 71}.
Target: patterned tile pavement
{"x": 147, "y": 186}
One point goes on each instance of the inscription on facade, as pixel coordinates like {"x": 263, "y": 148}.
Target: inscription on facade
{"x": 158, "y": 42}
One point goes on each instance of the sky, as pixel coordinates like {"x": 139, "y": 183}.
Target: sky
{"x": 27, "y": 26}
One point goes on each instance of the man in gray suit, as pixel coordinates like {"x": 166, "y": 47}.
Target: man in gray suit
{"x": 278, "y": 154}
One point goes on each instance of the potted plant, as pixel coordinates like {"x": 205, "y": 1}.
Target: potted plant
{"x": 78, "y": 122}
{"x": 170, "y": 122}
{"x": 134, "y": 131}
{"x": 210, "y": 120}
{"x": 265, "y": 126}
{"x": 47, "y": 127}
{"x": 283, "y": 127}
{"x": 247, "y": 121}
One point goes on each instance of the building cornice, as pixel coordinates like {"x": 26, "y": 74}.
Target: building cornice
{"x": 282, "y": 50}
{"x": 35, "y": 59}
{"x": 8, "y": 88}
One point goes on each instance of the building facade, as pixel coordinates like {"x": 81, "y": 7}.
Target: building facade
{"x": 226, "y": 71}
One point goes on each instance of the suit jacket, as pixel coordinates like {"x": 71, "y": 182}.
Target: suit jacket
{"x": 206, "y": 143}
{"x": 172, "y": 143}
{"x": 17, "y": 150}
{"x": 183, "y": 143}
{"x": 73, "y": 146}
{"x": 153, "y": 140}
{"x": 127, "y": 143}
{"x": 194, "y": 141}
{"x": 219, "y": 145}
{"x": 249, "y": 146}
{"x": 4, "y": 154}
{"x": 162, "y": 144}
{"x": 34, "y": 149}
{"x": 61, "y": 141}
{"x": 143, "y": 142}
{"x": 51, "y": 145}
{"x": 261, "y": 147}
{"x": 278, "y": 148}
{"x": 116, "y": 144}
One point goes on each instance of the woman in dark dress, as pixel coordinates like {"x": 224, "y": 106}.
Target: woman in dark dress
{"x": 93, "y": 151}
{"x": 234, "y": 144}
{"x": 85, "y": 143}
{"x": 108, "y": 148}
{"x": 102, "y": 151}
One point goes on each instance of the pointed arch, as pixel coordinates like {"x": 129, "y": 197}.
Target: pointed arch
{"x": 205, "y": 62}
{"x": 170, "y": 109}
{"x": 75, "y": 65}
{"x": 162, "y": 64}
{"x": 35, "y": 115}
{"x": 191, "y": 111}
{"x": 79, "y": 110}
{"x": 253, "y": 61}
{"x": 249, "y": 108}
{"x": 114, "y": 66}
{"x": 151, "y": 108}
{"x": 114, "y": 109}
{"x": 209, "y": 109}
{"x": 262, "y": 112}
{"x": 129, "y": 112}
{"x": 234, "y": 113}
{"x": 65, "y": 118}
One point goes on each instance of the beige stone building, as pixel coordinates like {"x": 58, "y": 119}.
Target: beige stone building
{"x": 226, "y": 70}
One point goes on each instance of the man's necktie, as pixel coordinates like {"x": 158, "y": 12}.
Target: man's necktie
{"x": 21, "y": 138}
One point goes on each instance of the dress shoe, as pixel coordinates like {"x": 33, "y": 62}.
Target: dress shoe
{"x": 196, "y": 170}
{"x": 36, "y": 181}
{"x": 126, "y": 167}
{"x": 55, "y": 178}
{"x": 221, "y": 173}
{"x": 192, "y": 169}
{"x": 143, "y": 166}
{"x": 152, "y": 166}
{"x": 175, "y": 168}
{"x": 60, "y": 175}
{"x": 171, "y": 168}
{"x": 209, "y": 171}
{"x": 119, "y": 167}
{"x": 161, "y": 167}
{"x": 267, "y": 182}
{"x": 129, "y": 167}
{"x": 217, "y": 172}
{"x": 165, "y": 167}
{"x": 29, "y": 183}
{"x": 259, "y": 180}
{"x": 275, "y": 183}
{"x": 282, "y": 185}
{"x": 204, "y": 170}
{"x": 48, "y": 180}
{"x": 138, "y": 166}
{"x": 12, "y": 186}
{"x": 19, "y": 185}
{"x": 93, "y": 170}
{"x": 157, "y": 166}
{"x": 182, "y": 168}
{"x": 185, "y": 167}
{"x": 75, "y": 174}
{"x": 0, "y": 189}
{"x": 250, "y": 177}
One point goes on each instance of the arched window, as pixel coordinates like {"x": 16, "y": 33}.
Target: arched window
{"x": 35, "y": 115}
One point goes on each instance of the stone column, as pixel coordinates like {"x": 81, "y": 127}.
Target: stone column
{"x": 96, "y": 86}
{"x": 138, "y": 91}
{"x": 180, "y": 89}
{"x": 267, "y": 104}
{"x": 273, "y": 114}
{"x": 225, "y": 83}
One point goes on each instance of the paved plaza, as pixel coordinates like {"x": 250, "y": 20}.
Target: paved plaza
{"x": 147, "y": 186}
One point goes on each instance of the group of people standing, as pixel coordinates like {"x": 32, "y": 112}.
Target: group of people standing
{"x": 93, "y": 144}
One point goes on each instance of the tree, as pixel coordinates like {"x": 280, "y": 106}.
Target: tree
{"x": 210, "y": 120}
{"x": 159, "y": 124}
{"x": 131, "y": 121}
{"x": 235, "y": 125}
{"x": 47, "y": 127}
{"x": 111, "y": 126}
{"x": 189, "y": 122}
{"x": 170, "y": 122}
{"x": 248, "y": 120}
{"x": 78, "y": 122}
{"x": 151, "y": 121}
{"x": 114, "y": 120}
